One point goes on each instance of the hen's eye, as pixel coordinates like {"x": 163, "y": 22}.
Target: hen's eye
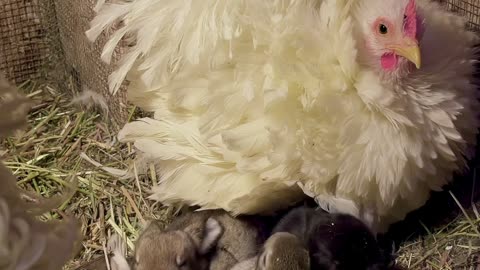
{"x": 383, "y": 29}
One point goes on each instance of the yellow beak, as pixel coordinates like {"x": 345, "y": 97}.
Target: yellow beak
{"x": 410, "y": 51}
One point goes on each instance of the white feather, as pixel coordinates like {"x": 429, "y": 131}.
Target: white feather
{"x": 90, "y": 98}
{"x": 256, "y": 100}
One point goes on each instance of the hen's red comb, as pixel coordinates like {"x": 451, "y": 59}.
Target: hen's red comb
{"x": 411, "y": 19}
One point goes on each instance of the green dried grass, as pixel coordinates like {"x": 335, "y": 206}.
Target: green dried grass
{"x": 455, "y": 245}
{"x": 48, "y": 153}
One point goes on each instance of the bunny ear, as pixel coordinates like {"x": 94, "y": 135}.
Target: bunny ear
{"x": 205, "y": 235}
{"x": 262, "y": 259}
{"x": 119, "y": 249}
{"x": 119, "y": 263}
{"x": 213, "y": 232}
{"x": 116, "y": 245}
{"x": 247, "y": 264}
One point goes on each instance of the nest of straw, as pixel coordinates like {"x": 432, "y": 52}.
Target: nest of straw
{"x": 64, "y": 141}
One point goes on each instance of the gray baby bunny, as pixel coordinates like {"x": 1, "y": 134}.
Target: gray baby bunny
{"x": 282, "y": 251}
{"x": 197, "y": 241}
{"x": 184, "y": 248}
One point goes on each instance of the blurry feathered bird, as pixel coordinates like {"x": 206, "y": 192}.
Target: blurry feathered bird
{"x": 364, "y": 105}
{"x": 25, "y": 241}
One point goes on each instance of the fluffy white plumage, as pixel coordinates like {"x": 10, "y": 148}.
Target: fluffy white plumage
{"x": 259, "y": 102}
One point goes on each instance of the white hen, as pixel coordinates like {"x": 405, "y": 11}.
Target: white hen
{"x": 365, "y": 105}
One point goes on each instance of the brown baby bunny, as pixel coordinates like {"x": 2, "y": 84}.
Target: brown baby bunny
{"x": 282, "y": 251}
{"x": 180, "y": 248}
{"x": 197, "y": 241}
{"x": 242, "y": 239}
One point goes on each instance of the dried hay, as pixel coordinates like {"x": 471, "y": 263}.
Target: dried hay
{"x": 55, "y": 146}
{"x": 44, "y": 40}
{"x": 454, "y": 245}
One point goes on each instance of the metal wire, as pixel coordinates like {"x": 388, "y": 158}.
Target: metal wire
{"x": 22, "y": 50}
{"x": 468, "y": 8}
{"x": 44, "y": 40}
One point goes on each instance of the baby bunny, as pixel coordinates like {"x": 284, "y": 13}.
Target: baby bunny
{"x": 197, "y": 241}
{"x": 183, "y": 249}
{"x": 169, "y": 249}
{"x": 335, "y": 241}
{"x": 282, "y": 251}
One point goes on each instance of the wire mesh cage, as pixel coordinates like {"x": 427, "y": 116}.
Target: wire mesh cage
{"x": 45, "y": 39}
{"x": 23, "y": 37}
{"x": 469, "y": 9}
{"x": 82, "y": 59}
